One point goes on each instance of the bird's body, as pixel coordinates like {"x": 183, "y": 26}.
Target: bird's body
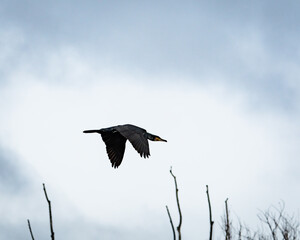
{"x": 115, "y": 140}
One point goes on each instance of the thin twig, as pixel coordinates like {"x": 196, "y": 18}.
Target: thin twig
{"x": 50, "y": 213}
{"x": 210, "y": 215}
{"x": 172, "y": 225}
{"x": 178, "y": 205}
{"x": 30, "y": 229}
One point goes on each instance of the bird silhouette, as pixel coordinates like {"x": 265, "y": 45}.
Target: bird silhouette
{"x": 115, "y": 139}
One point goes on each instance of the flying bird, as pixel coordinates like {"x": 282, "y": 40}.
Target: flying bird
{"x": 115, "y": 139}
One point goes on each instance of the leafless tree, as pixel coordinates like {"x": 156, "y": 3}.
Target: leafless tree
{"x": 179, "y": 210}
{"x": 276, "y": 225}
{"x": 50, "y": 216}
{"x": 279, "y": 223}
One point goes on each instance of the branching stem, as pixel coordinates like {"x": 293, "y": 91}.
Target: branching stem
{"x": 50, "y": 212}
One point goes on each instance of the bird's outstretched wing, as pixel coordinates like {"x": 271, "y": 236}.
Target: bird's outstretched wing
{"x": 115, "y": 146}
{"x": 137, "y": 137}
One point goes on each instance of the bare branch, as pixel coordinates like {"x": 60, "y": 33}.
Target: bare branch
{"x": 50, "y": 213}
{"x": 30, "y": 229}
{"x": 227, "y": 223}
{"x": 172, "y": 225}
{"x": 269, "y": 218}
{"x": 178, "y": 205}
{"x": 211, "y": 222}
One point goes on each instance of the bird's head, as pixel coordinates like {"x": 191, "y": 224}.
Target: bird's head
{"x": 155, "y": 138}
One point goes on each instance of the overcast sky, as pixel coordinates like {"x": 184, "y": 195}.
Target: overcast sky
{"x": 219, "y": 81}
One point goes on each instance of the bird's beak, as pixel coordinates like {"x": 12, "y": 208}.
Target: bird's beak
{"x": 160, "y": 139}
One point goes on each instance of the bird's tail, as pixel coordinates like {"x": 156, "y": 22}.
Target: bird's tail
{"x": 91, "y": 131}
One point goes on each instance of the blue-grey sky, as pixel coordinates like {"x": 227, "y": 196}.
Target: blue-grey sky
{"x": 220, "y": 81}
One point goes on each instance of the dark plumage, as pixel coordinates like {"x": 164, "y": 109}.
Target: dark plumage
{"x": 115, "y": 139}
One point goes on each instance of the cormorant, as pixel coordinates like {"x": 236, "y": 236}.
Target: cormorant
{"x": 115, "y": 139}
